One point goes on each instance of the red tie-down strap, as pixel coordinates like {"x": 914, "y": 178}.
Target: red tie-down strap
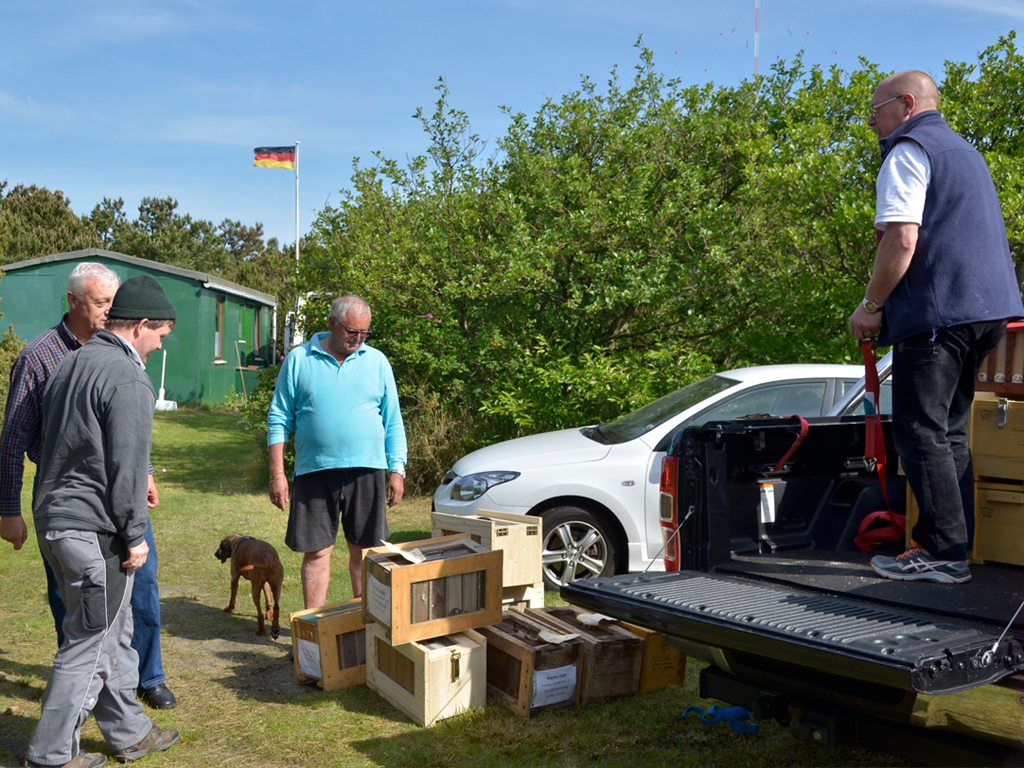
{"x": 796, "y": 443}
{"x": 894, "y": 525}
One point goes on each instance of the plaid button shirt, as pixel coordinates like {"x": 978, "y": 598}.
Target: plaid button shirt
{"x": 22, "y": 431}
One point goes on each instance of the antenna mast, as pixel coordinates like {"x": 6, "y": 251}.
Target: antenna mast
{"x": 757, "y": 34}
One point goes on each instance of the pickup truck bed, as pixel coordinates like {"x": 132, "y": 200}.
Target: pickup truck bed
{"x": 790, "y": 611}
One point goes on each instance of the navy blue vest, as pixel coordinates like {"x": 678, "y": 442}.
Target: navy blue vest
{"x": 961, "y": 271}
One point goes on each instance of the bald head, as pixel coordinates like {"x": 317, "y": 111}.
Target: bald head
{"x": 915, "y": 82}
{"x": 899, "y": 97}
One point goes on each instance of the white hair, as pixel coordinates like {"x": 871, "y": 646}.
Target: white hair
{"x": 342, "y": 306}
{"x": 90, "y": 270}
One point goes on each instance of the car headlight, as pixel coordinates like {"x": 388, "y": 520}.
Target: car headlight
{"x": 473, "y": 487}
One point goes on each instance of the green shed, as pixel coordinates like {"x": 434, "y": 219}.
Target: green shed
{"x": 224, "y": 333}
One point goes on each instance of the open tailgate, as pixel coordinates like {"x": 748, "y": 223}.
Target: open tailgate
{"x": 897, "y": 647}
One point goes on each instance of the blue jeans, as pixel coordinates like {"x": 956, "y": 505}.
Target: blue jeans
{"x": 933, "y": 379}
{"x": 146, "y": 610}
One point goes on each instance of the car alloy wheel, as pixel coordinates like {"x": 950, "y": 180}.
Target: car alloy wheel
{"x": 576, "y": 546}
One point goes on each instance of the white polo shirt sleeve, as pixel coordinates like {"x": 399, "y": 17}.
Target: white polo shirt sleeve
{"x": 902, "y": 184}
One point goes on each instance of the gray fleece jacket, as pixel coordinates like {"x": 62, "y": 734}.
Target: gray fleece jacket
{"x": 97, "y": 418}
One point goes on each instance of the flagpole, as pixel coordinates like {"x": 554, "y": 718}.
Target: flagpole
{"x": 297, "y": 335}
{"x": 296, "y": 207}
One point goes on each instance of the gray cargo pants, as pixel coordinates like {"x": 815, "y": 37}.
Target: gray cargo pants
{"x": 95, "y": 671}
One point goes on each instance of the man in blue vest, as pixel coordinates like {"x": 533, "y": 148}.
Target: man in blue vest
{"x": 941, "y": 292}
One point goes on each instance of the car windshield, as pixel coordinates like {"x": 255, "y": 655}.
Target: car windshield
{"x": 643, "y": 420}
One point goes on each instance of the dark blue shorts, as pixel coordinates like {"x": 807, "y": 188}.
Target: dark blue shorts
{"x": 354, "y": 497}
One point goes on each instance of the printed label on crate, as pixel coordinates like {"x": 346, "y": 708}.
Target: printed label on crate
{"x": 309, "y": 658}
{"x": 378, "y": 599}
{"x": 553, "y": 686}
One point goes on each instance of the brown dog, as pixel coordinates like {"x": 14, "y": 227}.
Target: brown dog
{"x": 258, "y": 562}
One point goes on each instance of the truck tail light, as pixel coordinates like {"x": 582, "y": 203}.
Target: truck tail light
{"x": 669, "y": 520}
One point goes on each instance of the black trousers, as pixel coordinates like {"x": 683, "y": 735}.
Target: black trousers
{"x": 933, "y": 379}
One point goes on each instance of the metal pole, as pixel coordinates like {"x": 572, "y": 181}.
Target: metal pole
{"x": 757, "y": 42}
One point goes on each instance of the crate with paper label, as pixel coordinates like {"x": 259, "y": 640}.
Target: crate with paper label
{"x": 423, "y": 589}
{"x": 329, "y": 645}
{"x": 530, "y": 666}
{"x": 612, "y": 656}
{"x": 428, "y": 680}
{"x": 519, "y": 537}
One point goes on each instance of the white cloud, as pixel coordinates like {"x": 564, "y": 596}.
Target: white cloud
{"x": 40, "y": 115}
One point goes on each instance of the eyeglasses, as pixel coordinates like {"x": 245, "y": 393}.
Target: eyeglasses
{"x": 875, "y": 107}
{"x": 363, "y": 334}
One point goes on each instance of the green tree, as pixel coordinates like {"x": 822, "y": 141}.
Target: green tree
{"x": 36, "y": 222}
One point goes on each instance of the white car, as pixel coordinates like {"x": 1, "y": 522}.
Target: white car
{"x": 596, "y": 487}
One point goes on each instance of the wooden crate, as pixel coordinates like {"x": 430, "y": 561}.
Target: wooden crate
{"x": 529, "y": 674}
{"x": 612, "y": 656}
{"x": 519, "y": 537}
{"x": 457, "y": 587}
{"x": 523, "y": 596}
{"x": 999, "y": 523}
{"x": 329, "y": 645}
{"x": 428, "y": 680}
{"x": 662, "y": 665}
{"x": 1002, "y": 372}
{"x": 997, "y": 438}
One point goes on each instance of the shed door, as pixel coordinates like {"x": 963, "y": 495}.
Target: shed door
{"x": 246, "y": 318}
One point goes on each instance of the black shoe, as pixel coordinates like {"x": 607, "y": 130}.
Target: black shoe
{"x": 158, "y": 697}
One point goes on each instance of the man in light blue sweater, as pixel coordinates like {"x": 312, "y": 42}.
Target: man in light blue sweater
{"x": 337, "y": 395}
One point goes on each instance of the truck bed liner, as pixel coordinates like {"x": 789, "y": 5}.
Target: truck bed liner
{"x": 993, "y": 594}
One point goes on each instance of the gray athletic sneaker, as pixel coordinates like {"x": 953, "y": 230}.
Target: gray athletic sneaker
{"x": 917, "y": 565}
{"x": 156, "y": 740}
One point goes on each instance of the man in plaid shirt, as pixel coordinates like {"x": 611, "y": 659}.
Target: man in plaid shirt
{"x": 91, "y": 289}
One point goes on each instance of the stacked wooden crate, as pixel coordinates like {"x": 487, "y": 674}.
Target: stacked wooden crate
{"x": 520, "y": 540}
{"x": 423, "y": 601}
{"x": 997, "y": 440}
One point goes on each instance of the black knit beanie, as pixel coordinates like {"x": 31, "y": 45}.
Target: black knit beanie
{"x": 141, "y": 297}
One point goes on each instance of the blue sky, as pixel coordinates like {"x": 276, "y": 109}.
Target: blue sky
{"x": 112, "y": 98}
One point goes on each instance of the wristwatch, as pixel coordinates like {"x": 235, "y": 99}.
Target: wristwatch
{"x": 870, "y": 307}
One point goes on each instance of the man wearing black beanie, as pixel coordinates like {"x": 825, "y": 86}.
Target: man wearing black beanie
{"x": 90, "y": 517}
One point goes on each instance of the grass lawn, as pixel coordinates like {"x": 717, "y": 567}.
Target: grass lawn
{"x": 238, "y": 702}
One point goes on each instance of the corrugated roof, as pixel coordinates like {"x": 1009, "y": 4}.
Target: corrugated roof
{"x": 207, "y": 280}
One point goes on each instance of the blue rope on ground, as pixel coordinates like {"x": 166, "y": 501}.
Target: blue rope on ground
{"x": 736, "y": 717}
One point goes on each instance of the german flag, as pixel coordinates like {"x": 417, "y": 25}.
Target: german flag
{"x": 275, "y": 157}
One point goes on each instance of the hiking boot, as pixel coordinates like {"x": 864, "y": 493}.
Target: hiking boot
{"x": 156, "y": 740}
{"x": 917, "y": 565}
{"x": 81, "y": 760}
